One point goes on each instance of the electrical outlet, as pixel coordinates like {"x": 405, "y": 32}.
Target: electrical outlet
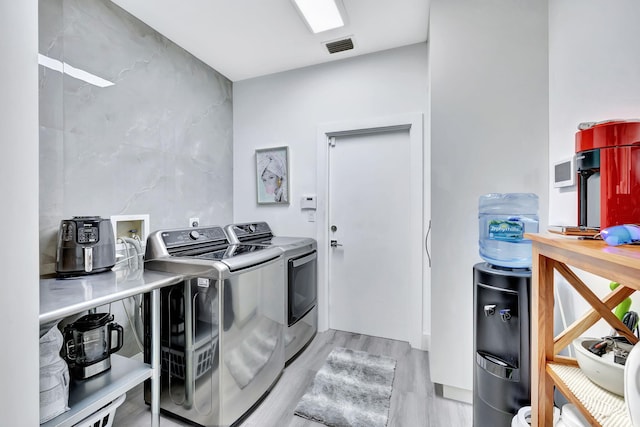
{"x": 194, "y": 222}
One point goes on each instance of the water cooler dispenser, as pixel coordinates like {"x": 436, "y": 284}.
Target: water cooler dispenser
{"x": 502, "y": 338}
{"x": 501, "y": 301}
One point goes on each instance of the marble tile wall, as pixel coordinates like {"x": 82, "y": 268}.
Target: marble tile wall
{"x": 158, "y": 141}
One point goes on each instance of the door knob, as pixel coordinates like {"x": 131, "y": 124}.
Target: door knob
{"x": 334, "y": 243}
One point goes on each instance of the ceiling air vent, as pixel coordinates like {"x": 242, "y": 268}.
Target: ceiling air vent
{"x": 339, "y": 45}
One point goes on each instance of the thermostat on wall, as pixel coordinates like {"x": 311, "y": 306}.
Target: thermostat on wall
{"x": 564, "y": 173}
{"x": 308, "y": 202}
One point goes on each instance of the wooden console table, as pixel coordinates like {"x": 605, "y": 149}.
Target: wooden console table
{"x": 552, "y": 252}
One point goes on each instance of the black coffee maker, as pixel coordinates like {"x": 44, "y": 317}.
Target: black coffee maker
{"x": 87, "y": 344}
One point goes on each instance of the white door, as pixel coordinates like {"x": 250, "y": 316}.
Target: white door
{"x": 375, "y": 267}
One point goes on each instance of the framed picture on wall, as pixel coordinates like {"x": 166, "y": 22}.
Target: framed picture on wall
{"x": 272, "y": 173}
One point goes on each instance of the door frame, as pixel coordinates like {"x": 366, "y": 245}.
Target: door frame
{"x": 413, "y": 122}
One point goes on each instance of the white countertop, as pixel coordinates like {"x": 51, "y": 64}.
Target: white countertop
{"x": 63, "y": 297}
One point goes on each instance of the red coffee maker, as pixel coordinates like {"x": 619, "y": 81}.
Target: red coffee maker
{"x": 608, "y": 169}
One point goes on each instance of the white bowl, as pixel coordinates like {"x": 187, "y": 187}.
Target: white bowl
{"x": 632, "y": 385}
{"x": 601, "y": 370}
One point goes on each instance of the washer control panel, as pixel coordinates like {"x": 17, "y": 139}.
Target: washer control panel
{"x": 189, "y": 236}
{"x": 248, "y": 231}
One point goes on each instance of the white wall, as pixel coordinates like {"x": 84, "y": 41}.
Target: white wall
{"x": 489, "y": 133}
{"x": 19, "y": 297}
{"x": 594, "y": 70}
{"x": 286, "y": 108}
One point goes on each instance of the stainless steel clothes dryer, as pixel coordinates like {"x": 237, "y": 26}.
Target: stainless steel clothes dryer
{"x": 222, "y": 345}
{"x": 300, "y": 255}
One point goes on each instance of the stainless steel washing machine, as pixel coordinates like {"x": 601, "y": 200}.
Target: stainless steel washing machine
{"x": 300, "y": 261}
{"x": 222, "y": 335}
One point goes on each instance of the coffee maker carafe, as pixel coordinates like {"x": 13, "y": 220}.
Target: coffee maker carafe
{"x": 608, "y": 169}
{"x": 87, "y": 344}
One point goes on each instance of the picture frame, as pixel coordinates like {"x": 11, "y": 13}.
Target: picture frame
{"x": 272, "y": 175}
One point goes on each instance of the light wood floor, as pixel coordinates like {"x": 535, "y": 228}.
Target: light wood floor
{"x": 413, "y": 400}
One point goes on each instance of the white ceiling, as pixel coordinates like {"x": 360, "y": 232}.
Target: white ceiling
{"x": 248, "y": 38}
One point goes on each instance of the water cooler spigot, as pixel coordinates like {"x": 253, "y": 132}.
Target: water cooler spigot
{"x": 505, "y": 314}
{"x": 489, "y": 310}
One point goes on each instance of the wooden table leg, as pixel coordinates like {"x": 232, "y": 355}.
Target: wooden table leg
{"x": 541, "y": 340}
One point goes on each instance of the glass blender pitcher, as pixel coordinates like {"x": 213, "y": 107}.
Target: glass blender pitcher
{"x": 87, "y": 344}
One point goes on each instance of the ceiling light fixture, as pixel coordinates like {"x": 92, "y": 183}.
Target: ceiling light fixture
{"x": 320, "y": 15}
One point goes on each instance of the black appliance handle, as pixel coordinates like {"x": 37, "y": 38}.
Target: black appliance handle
{"x": 115, "y": 327}
{"x": 69, "y": 348}
{"x": 69, "y": 351}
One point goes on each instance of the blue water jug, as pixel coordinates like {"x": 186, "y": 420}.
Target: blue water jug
{"x": 503, "y": 219}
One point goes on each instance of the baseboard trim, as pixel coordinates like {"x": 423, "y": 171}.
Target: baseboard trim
{"x": 426, "y": 342}
{"x": 454, "y": 393}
